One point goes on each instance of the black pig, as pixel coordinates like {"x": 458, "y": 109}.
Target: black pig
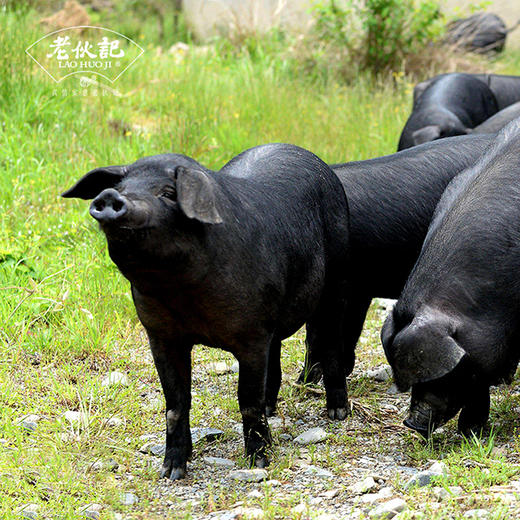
{"x": 454, "y": 330}
{"x": 499, "y": 120}
{"x": 237, "y": 259}
{"x": 482, "y": 33}
{"x": 505, "y": 88}
{"x": 391, "y": 202}
{"x": 451, "y": 104}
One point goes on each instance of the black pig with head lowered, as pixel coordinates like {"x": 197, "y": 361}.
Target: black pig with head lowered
{"x": 391, "y": 202}
{"x": 455, "y": 330}
{"x": 237, "y": 259}
{"x": 506, "y": 89}
{"x": 451, "y": 104}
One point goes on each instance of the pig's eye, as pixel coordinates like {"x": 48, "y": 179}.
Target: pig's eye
{"x": 169, "y": 193}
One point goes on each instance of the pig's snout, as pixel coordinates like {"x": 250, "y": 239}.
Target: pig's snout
{"x": 108, "y": 206}
{"x": 420, "y": 428}
{"x": 420, "y": 419}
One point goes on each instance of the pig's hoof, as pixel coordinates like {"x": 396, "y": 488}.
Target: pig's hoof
{"x": 338, "y": 414}
{"x": 469, "y": 430}
{"x": 177, "y": 473}
{"x": 165, "y": 472}
{"x": 472, "y": 423}
{"x": 172, "y": 473}
{"x": 261, "y": 462}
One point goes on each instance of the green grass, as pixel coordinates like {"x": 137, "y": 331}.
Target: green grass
{"x": 66, "y": 315}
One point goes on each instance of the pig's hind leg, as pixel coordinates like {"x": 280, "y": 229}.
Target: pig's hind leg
{"x": 274, "y": 377}
{"x": 253, "y": 360}
{"x": 311, "y": 371}
{"x": 354, "y": 319}
{"x": 173, "y": 363}
{"x": 324, "y": 335}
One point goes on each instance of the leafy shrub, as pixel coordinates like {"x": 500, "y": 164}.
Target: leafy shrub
{"x": 378, "y": 35}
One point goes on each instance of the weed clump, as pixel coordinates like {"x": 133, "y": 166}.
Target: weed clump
{"x": 376, "y": 36}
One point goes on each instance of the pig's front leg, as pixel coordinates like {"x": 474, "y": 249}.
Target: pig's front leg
{"x": 253, "y": 362}
{"x": 475, "y": 413}
{"x": 173, "y": 362}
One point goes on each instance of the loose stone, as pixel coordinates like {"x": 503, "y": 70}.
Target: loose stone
{"x": 219, "y": 462}
{"x": 115, "y": 378}
{"x": 312, "y": 436}
{"x": 424, "y": 478}
{"x": 363, "y": 486}
{"x": 388, "y": 509}
{"x": 318, "y": 472}
{"x": 481, "y": 514}
{"x": 248, "y": 475}
{"x": 210, "y": 434}
{"x": 129, "y": 499}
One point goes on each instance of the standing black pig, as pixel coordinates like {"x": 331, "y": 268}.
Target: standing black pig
{"x": 391, "y": 202}
{"x": 454, "y": 331}
{"x": 237, "y": 259}
{"x": 451, "y": 104}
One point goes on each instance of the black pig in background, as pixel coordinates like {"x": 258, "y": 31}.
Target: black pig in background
{"x": 392, "y": 200}
{"x": 455, "y": 329}
{"x": 499, "y": 120}
{"x": 451, "y": 104}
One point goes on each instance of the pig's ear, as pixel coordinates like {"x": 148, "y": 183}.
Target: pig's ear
{"x": 418, "y": 355}
{"x": 388, "y": 331}
{"x": 197, "y": 195}
{"x": 95, "y": 181}
{"x": 426, "y": 134}
{"x": 419, "y": 90}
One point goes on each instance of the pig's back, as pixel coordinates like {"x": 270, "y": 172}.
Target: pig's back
{"x": 472, "y": 250}
{"x": 290, "y": 186}
{"x": 294, "y": 203}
